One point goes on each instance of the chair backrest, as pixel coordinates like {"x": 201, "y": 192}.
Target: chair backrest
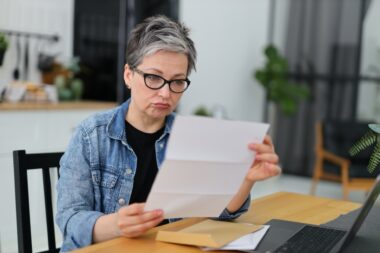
{"x": 22, "y": 163}
{"x": 339, "y": 136}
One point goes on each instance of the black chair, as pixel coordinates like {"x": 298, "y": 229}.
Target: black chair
{"x": 22, "y": 164}
{"x": 333, "y": 162}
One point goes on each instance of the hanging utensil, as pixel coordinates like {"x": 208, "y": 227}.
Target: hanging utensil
{"x": 26, "y": 59}
{"x": 16, "y": 71}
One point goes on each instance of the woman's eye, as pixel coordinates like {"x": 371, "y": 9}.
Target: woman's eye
{"x": 153, "y": 78}
{"x": 179, "y": 82}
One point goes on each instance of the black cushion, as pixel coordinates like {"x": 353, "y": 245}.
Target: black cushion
{"x": 338, "y": 138}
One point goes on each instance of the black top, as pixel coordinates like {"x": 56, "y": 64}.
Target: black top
{"x": 143, "y": 144}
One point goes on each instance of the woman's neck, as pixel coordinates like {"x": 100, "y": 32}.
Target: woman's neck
{"x": 143, "y": 122}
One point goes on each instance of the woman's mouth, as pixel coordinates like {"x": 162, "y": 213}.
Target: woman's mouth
{"x": 161, "y": 105}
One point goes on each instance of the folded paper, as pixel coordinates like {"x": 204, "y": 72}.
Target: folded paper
{"x": 205, "y": 164}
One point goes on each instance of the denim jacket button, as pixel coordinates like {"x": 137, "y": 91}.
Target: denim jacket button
{"x": 121, "y": 202}
{"x": 128, "y": 171}
{"x": 161, "y": 145}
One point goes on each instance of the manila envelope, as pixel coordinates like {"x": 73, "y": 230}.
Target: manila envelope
{"x": 209, "y": 233}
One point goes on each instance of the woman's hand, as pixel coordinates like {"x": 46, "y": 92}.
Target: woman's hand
{"x": 266, "y": 163}
{"x": 129, "y": 221}
{"x": 265, "y": 166}
{"x": 133, "y": 221}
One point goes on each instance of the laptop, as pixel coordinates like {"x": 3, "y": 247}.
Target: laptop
{"x": 286, "y": 236}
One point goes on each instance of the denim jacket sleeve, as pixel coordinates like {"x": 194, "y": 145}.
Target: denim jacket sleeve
{"x": 226, "y": 215}
{"x": 75, "y": 201}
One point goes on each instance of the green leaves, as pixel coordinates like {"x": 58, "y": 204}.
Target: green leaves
{"x": 273, "y": 77}
{"x": 374, "y": 161}
{"x": 3, "y": 42}
{"x": 370, "y": 138}
{"x": 202, "y": 111}
{"x": 364, "y": 142}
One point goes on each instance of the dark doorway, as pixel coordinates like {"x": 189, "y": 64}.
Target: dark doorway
{"x": 100, "y": 34}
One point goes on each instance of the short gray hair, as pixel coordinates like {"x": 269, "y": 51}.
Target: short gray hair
{"x": 160, "y": 33}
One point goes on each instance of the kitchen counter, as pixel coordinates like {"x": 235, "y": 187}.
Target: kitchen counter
{"x": 72, "y": 105}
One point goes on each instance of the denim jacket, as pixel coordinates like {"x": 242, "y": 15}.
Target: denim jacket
{"x": 96, "y": 175}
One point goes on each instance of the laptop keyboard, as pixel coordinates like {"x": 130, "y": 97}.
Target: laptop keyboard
{"x": 311, "y": 239}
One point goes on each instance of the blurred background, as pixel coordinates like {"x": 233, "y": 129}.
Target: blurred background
{"x": 62, "y": 60}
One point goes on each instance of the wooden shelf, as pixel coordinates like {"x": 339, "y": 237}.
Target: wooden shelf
{"x": 72, "y": 105}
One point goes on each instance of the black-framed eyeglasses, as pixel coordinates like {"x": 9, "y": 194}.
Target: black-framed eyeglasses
{"x": 156, "y": 82}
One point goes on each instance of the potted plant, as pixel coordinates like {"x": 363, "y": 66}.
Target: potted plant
{"x": 3, "y": 47}
{"x": 68, "y": 84}
{"x": 202, "y": 111}
{"x": 279, "y": 90}
{"x": 371, "y": 138}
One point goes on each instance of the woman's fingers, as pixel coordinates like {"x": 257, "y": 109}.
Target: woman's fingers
{"x": 134, "y": 221}
{"x": 266, "y": 162}
{"x": 139, "y": 218}
{"x": 139, "y": 229}
{"x": 144, "y": 217}
{"x": 261, "y": 148}
{"x": 272, "y": 169}
{"x": 267, "y": 157}
{"x": 268, "y": 140}
{"x": 263, "y": 171}
{"x": 133, "y": 209}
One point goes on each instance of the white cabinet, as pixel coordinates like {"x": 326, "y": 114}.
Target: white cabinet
{"x": 35, "y": 131}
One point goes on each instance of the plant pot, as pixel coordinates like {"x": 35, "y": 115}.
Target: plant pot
{"x": 2, "y": 53}
{"x": 76, "y": 88}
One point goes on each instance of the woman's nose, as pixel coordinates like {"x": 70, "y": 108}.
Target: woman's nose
{"x": 164, "y": 91}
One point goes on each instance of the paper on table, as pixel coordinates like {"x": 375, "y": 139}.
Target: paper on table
{"x": 206, "y": 161}
{"x": 246, "y": 242}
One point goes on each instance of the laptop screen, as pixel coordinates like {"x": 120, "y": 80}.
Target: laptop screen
{"x": 370, "y": 201}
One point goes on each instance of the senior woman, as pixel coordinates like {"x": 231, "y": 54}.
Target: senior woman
{"x": 113, "y": 157}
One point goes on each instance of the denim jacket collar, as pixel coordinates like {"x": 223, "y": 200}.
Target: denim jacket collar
{"x": 116, "y": 125}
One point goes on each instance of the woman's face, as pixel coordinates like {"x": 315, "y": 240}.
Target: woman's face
{"x": 156, "y": 104}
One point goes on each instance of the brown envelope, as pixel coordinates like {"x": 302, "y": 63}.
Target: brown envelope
{"x": 209, "y": 233}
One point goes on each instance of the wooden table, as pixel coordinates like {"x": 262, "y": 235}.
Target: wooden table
{"x": 281, "y": 205}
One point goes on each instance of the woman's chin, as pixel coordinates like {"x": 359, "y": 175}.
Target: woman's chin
{"x": 160, "y": 114}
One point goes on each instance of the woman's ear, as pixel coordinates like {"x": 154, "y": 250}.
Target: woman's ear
{"x": 128, "y": 73}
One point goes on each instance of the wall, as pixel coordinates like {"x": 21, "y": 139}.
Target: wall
{"x": 38, "y": 16}
{"x": 229, "y": 37}
{"x": 281, "y": 12}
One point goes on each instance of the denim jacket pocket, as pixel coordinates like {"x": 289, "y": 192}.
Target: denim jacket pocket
{"x": 105, "y": 189}
{"x": 104, "y": 178}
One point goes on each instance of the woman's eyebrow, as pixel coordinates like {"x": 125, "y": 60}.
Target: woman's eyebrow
{"x": 159, "y": 72}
